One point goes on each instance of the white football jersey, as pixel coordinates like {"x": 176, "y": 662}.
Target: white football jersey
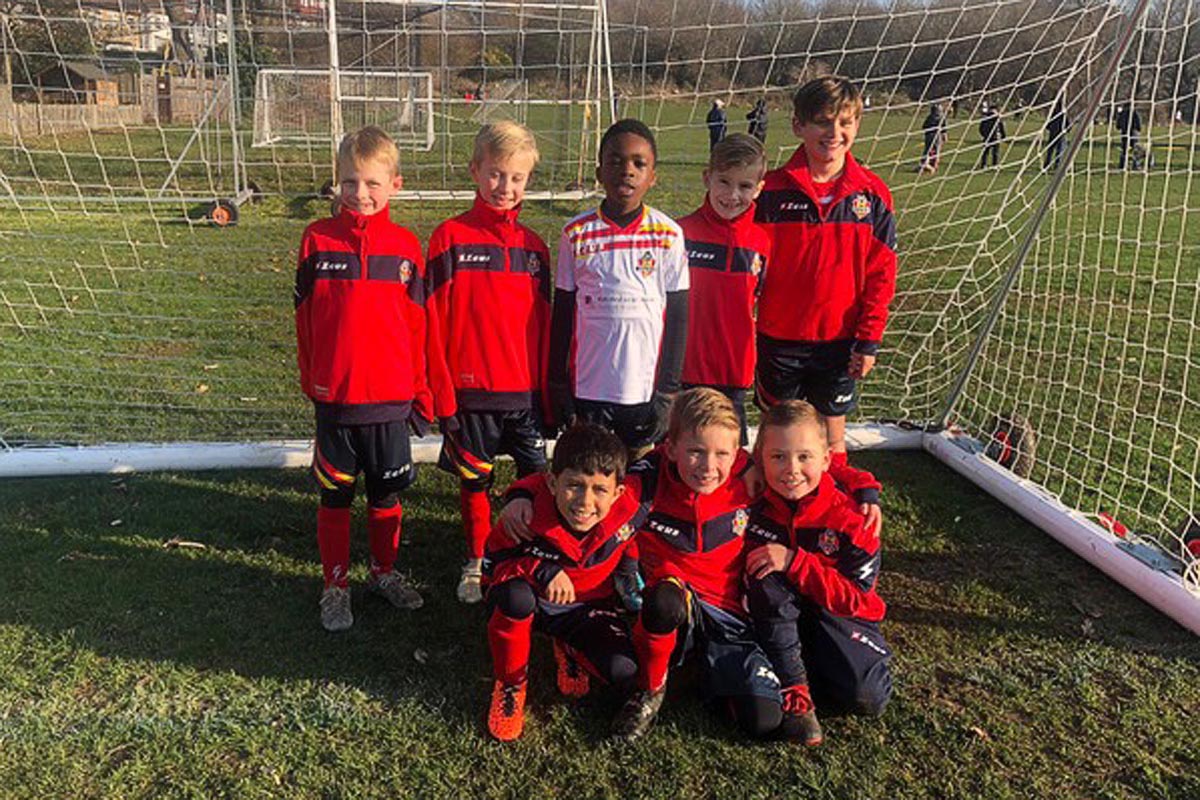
{"x": 620, "y": 277}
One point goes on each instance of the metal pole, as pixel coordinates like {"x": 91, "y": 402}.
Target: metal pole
{"x": 1031, "y": 230}
{"x": 231, "y": 44}
{"x": 335, "y": 88}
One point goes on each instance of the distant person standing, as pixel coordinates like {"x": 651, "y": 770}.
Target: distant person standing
{"x": 991, "y": 128}
{"x": 718, "y": 122}
{"x": 1129, "y": 126}
{"x": 758, "y": 120}
{"x": 934, "y": 128}
{"x": 1056, "y": 135}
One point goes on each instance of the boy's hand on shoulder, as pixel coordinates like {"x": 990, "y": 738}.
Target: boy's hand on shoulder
{"x": 514, "y": 519}
{"x": 762, "y": 561}
{"x": 560, "y": 589}
{"x": 873, "y": 517}
{"x": 861, "y": 365}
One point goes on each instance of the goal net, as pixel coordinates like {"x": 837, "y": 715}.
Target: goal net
{"x": 1048, "y": 291}
{"x": 297, "y": 106}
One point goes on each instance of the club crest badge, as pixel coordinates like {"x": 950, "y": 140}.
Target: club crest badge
{"x": 860, "y": 206}
{"x": 756, "y": 266}
{"x": 646, "y": 264}
{"x": 405, "y": 271}
{"x": 624, "y": 532}
{"x": 827, "y": 543}
{"x": 741, "y": 518}
{"x": 534, "y": 262}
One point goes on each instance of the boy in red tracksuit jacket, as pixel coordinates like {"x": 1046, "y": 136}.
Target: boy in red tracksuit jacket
{"x": 823, "y": 303}
{"x": 489, "y": 333}
{"x": 812, "y": 568}
{"x": 727, "y": 254}
{"x": 691, "y": 552}
{"x": 561, "y": 580}
{"x": 360, "y": 334}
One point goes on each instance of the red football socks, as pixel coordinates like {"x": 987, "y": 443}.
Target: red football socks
{"x": 653, "y": 655}
{"x": 333, "y": 540}
{"x": 508, "y": 640}
{"x": 477, "y": 519}
{"x": 383, "y": 532}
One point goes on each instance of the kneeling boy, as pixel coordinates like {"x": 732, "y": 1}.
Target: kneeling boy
{"x": 561, "y": 581}
{"x": 812, "y": 566}
{"x": 691, "y": 550}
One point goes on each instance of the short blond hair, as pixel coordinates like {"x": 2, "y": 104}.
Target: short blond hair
{"x": 826, "y": 97}
{"x": 698, "y": 408}
{"x": 787, "y": 413}
{"x": 369, "y": 144}
{"x": 503, "y": 139}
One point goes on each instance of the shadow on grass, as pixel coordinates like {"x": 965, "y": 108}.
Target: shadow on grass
{"x": 87, "y": 560}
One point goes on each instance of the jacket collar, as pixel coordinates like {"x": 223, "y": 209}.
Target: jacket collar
{"x": 633, "y": 225}
{"x": 808, "y": 508}
{"x": 491, "y": 216}
{"x": 356, "y": 221}
{"x": 853, "y": 178}
{"x": 741, "y": 221}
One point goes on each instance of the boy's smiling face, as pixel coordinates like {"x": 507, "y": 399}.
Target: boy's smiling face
{"x": 583, "y": 499}
{"x": 827, "y": 140}
{"x": 501, "y": 180}
{"x": 366, "y": 186}
{"x": 626, "y": 172}
{"x": 704, "y": 456}
{"x": 793, "y": 458}
{"x": 733, "y": 189}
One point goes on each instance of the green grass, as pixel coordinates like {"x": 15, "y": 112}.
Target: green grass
{"x": 129, "y": 669}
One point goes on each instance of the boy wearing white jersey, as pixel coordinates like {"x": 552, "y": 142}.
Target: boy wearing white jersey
{"x": 621, "y": 299}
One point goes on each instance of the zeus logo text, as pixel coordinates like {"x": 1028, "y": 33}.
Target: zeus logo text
{"x": 702, "y": 256}
{"x": 474, "y": 258}
{"x": 760, "y": 532}
{"x": 332, "y": 266}
{"x": 792, "y": 206}
{"x": 665, "y": 530}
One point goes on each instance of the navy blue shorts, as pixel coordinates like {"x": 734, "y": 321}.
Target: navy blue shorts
{"x": 637, "y": 425}
{"x": 732, "y": 663}
{"x": 380, "y": 450}
{"x": 814, "y": 371}
{"x": 470, "y": 452}
{"x": 600, "y": 634}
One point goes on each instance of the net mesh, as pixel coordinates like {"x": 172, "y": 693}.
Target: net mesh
{"x": 126, "y": 316}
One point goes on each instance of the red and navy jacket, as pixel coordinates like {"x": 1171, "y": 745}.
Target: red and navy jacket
{"x": 833, "y": 266}
{"x": 489, "y": 312}
{"x": 589, "y": 559}
{"x": 836, "y": 563}
{"x": 695, "y": 538}
{"x": 726, "y": 257}
{"x": 360, "y": 319}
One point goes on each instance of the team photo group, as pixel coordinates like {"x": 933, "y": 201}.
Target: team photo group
{"x": 656, "y": 534}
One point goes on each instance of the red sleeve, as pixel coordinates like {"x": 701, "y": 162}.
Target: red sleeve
{"x": 845, "y": 587}
{"x": 438, "y": 283}
{"x": 879, "y": 278}
{"x": 414, "y": 314}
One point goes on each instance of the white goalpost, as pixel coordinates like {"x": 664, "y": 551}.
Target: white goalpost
{"x": 1042, "y": 340}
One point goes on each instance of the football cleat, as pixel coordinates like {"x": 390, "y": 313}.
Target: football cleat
{"x": 506, "y": 714}
{"x": 392, "y": 586}
{"x": 634, "y": 719}
{"x": 335, "y": 609}
{"x": 800, "y": 722}
{"x": 573, "y": 680}
{"x": 469, "y": 584}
